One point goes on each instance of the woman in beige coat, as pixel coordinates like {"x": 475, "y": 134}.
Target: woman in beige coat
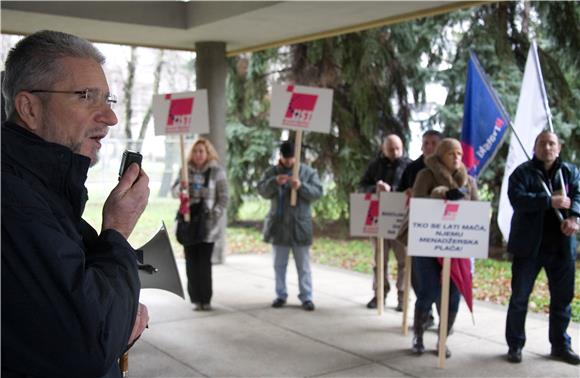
{"x": 445, "y": 177}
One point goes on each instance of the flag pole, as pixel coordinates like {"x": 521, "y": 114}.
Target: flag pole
{"x": 546, "y": 104}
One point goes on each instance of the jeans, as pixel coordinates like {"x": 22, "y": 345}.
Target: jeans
{"x": 302, "y": 258}
{"x": 560, "y": 270}
{"x": 198, "y": 269}
{"x": 426, "y": 273}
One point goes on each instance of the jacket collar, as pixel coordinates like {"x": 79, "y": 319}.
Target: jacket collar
{"x": 54, "y": 165}
{"x": 538, "y": 164}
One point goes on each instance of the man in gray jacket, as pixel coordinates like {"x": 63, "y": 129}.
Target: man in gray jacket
{"x": 290, "y": 227}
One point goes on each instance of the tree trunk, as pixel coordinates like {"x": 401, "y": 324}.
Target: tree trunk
{"x": 171, "y": 155}
{"x": 147, "y": 118}
{"x": 128, "y": 93}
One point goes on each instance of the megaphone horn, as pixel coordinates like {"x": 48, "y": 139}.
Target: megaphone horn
{"x": 159, "y": 270}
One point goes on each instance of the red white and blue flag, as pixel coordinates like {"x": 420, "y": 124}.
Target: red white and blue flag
{"x": 485, "y": 120}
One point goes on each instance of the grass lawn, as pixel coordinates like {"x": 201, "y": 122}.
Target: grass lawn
{"x": 491, "y": 279}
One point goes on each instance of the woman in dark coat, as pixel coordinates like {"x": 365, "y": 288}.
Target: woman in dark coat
{"x": 445, "y": 177}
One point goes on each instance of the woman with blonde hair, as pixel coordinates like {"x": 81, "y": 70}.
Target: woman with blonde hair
{"x": 444, "y": 177}
{"x": 208, "y": 187}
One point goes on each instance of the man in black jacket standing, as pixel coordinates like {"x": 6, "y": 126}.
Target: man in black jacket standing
{"x": 543, "y": 235}
{"x": 70, "y": 296}
{"x": 384, "y": 175}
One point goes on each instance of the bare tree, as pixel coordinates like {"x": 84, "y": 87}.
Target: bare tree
{"x": 128, "y": 95}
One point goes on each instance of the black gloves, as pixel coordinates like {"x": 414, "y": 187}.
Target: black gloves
{"x": 455, "y": 194}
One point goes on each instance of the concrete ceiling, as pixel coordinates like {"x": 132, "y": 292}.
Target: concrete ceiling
{"x": 242, "y": 25}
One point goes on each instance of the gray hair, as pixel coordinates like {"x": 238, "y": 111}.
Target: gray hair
{"x": 33, "y": 63}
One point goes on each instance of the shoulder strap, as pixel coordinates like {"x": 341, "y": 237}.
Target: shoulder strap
{"x": 206, "y": 180}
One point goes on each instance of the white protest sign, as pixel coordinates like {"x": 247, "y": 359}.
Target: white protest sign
{"x": 181, "y": 113}
{"x": 299, "y": 107}
{"x": 392, "y": 210}
{"x": 439, "y": 228}
{"x": 364, "y": 214}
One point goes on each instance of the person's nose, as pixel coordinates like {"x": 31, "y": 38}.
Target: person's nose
{"x": 107, "y": 116}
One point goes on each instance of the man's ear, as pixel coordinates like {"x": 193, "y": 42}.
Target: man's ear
{"x": 28, "y": 108}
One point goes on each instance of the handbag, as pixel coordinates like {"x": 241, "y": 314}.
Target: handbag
{"x": 194, "y": 231}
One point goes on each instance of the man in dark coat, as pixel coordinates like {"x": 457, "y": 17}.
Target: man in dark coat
{"x": 290, "y": 227}
{"x": 429, "y": 142}
{"x": 543, "y": 235}
{"x": 384, "y": 175}
{"x": 69, "y": 294}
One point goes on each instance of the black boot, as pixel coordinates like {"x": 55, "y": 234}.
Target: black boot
{"x": 450, "y": 321}
{"x": 418, "y": 329}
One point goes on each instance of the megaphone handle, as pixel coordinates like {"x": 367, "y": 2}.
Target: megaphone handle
{"x": 184, "y": 176}
{"x": 124, "y": 364}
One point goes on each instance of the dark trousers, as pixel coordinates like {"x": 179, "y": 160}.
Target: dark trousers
{"x": 560, "y": 270}
{"x": 426, "y": 272}
{"x": 198, "y": 269}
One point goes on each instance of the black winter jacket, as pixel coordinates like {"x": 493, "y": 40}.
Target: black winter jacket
{"x": 530, "y": 202}
{"x": 383, "y": 169}
{"x": 69, "y": 295}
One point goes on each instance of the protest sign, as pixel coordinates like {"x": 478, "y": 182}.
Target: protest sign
{"x": 439, "y": 228}
{"x": 181, "y": 113}
{"x": 392, "y": 211}
{"x": 298, "y": 107}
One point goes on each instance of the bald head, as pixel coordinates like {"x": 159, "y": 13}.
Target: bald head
{"x": 392, "y": 147}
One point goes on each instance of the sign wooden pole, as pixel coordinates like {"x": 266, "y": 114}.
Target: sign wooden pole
{"x": 124, "y": 364}
{"x": 296, "y": 168}
{"x": 444, "y": 316}
{"x": 380, "y": 275}
{"x": 184, "y": 176}
{"x": 407, "y": 289}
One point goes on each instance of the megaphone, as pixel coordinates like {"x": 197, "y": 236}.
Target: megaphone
{"x": 159, "y": 270}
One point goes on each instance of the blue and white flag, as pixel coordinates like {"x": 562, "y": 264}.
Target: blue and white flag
{"x": 485, "y": 120}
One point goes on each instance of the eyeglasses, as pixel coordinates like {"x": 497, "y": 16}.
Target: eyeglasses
{"x": 91, "y": 96}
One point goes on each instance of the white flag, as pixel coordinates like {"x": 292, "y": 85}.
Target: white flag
{"x": 531, "y": 118}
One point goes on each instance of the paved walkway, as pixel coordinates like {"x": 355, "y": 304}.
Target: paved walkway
{"x": 245, "y": 337}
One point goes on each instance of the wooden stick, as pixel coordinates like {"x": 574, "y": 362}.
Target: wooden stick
{"x": 184, "y": 175}
{"x": 444, "y": 316}
{"x": 124, "y": 364}
{"x": 407, "y": 289}
{"x": 296, "y": 169}
{"x": 380, "y": 294}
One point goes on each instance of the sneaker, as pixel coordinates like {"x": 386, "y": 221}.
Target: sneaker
{"x": 514, "y": 355}
{"x": 308, "y": 306}
{"x": 278, "y": 302}
{"x": 565, "y": 355}
{"x": 197, "y": 306}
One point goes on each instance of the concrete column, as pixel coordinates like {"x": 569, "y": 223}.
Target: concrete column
{"x": 210, "y": 70}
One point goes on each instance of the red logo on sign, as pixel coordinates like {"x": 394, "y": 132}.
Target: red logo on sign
{"x": 300, "y": 108}
{"x": 179, "y": 116}
{"x": 372, "y": 218}
{"x": 450, "y": 211}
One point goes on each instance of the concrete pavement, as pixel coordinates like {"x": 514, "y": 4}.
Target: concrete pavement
{"x": 244, "y": 337}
